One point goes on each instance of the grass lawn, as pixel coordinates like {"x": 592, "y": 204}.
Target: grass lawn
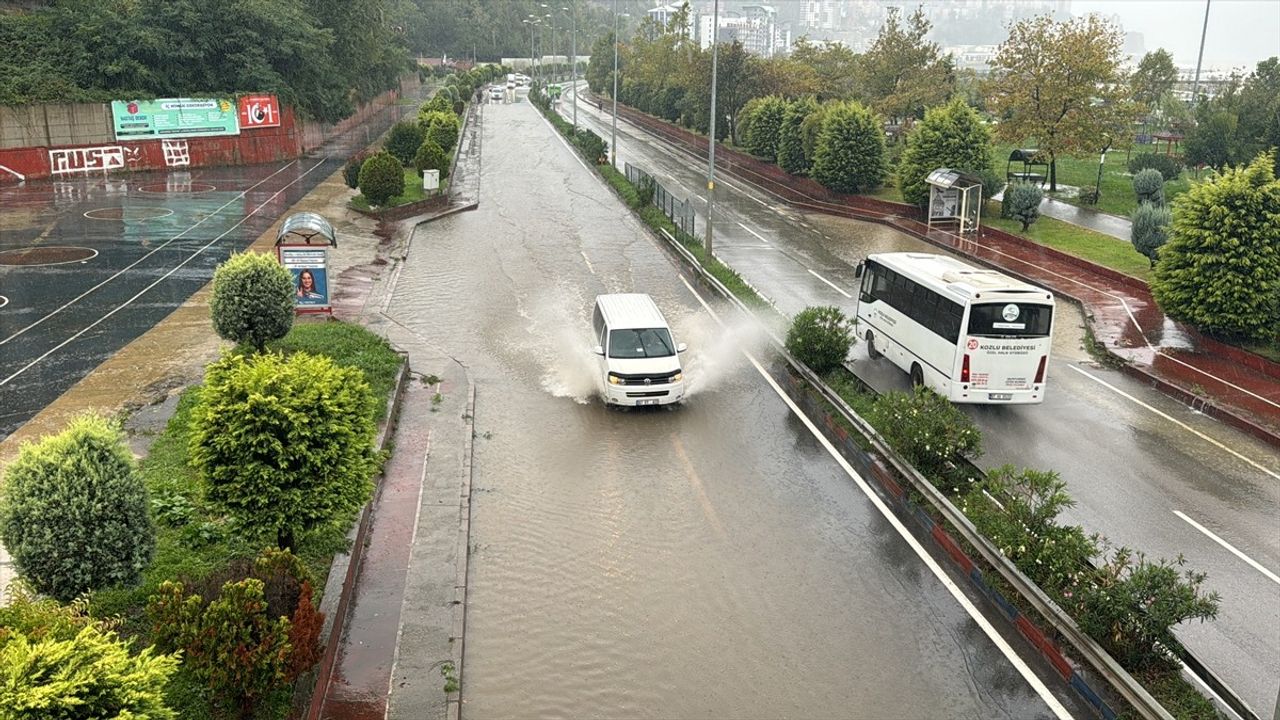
{"x": 1117, "y": 198}
{"x": 193, "y": 539}
{"x": 1074, "y": 240}
{"x": 413, "y": 192}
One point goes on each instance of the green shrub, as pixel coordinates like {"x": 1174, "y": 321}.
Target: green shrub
{"x": 443, "y": 131}
{"x": 1220, "y": 270}
{"x": 849, "y": 156}
{"x": 746, "y": 118}
{"x": 927, "y": 430}
{"x": 403, "y": 141}
{"x": 351, "y": 171}
{"x": 1170, "y": 167}
{"x": 73, "y": 511}
{"x": 1133, "y": 604}
{"x": 284, "y": 444}
{"x": 1150, "y": 229}
{"x": 1022, "y": 203}
{"x": 809, "y": 129}
{"x": 440, "y": 102}
{"x": 252, "y": 301}
{"x": 431, "y": 157}
{"x": 791, "y": 156}
{"x": 820, "y": 337}
{"x": 89, "y": 675}
{"x": 381, "y": 178}
{"x": 951, "y": 136}
{"x": 1148, "y": 185}
{"x": 761, "y": 138}
{"x": 592, "y": 146}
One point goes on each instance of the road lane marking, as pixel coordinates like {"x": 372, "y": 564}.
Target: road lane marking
{"x": 833, "y": 285}
{"x": 1012, "y": 656}
{"x": 159, "y": 280}
{"x": 1173, "y": 420}
{"x": 1256, "y": 565}
{"x": 588, "y": 260}
{"x": 753, "y": 232}
{"x": 157, "y": 249}
{"x": 698, "y": 490}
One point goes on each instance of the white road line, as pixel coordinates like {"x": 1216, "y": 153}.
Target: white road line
{"x": 588, "y": 260}
{"x": 1256, "y": 565}
{"x": 833, "y": 285}
{"x": 159, "y": 280}
{"x": 155, "y": 250}
{"x": 1027, "y": 674}
{"x": 1173, "y": 420}
{"x": 753, "y": 232}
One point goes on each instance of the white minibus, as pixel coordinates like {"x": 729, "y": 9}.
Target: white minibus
{"x": 639, "y": 360}
{"x": 971, "y": 334}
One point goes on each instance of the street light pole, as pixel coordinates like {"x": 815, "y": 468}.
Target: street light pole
{"x": 613, "y": 157}
{"x": 711, "y": 156}
{"x": 1195, "y": 87}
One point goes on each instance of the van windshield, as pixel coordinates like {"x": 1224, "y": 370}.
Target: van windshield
{"x": 646, "y": 343}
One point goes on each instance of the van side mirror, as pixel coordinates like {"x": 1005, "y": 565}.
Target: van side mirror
{"x": 599, "y": 350}
{"x": 857, "y": 271}
{"x": 681, "y": 347}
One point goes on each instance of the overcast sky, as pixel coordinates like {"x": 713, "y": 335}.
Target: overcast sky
{"x": 1241, "y": 32}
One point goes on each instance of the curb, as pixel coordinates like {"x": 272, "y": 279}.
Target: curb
{"x": 340, "y": 585}
{"x": 453, "y": 705}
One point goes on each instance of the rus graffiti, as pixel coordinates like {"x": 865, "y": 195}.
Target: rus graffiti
{"x": 176, "y": 153}
{"x": 70, "y": 161}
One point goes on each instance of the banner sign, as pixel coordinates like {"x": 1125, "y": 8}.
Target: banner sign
{"x": 173, "y": 118}
{"x": 309, "y": 266}
{"x": 257, "y": 111}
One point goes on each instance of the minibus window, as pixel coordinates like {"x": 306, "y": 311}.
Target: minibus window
{"x": 646, "y": 343}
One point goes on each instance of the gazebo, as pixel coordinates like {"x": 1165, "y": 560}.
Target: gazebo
{"x": 955, "y": 196}
{"x": 1030, "y": 158}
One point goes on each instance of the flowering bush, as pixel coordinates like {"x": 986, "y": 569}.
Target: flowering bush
{"x": 927, "y": 430}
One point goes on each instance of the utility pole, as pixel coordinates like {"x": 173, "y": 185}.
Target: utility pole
{"x": 613, "y": 157}
{"x": 574, "y": 61}
{"x": 1195, "y": 87}
{"x": 711, "y": 138}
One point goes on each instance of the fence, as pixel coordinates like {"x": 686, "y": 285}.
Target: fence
{"x": 679, "y": 211}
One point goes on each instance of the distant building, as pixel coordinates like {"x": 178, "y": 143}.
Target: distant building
{"x": 663, "y": 15}
{"x": 755, "y": 26}
{"x": 972, "y": 57}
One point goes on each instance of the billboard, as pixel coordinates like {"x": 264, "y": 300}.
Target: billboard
{"x": 173, "y": 118}
{"x": 257, "y": 111}
{"x": 308, "y": 264}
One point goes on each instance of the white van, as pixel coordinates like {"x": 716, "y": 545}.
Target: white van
{"x": 639, "y": 361}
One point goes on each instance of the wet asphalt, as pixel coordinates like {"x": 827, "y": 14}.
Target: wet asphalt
{"x": 1140, "y": 465}
{"x": 709, "y": 560}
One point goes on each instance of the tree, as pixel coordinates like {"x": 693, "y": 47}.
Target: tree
{"x": 1061, "y": 84}
{"x": 835, "y": 65}
{"x": 849, "y": 156}
{"x": 253, "y": 300}
{"x": 432, "y": 157}
{"x": 381, "y": 178}
{"x": 766, "y": 126}
{"x": 403, "y": 141}
{"x": 791, "y": 155}
{"x": 285, "y": 444}
{"x": 951, "y": 136}
{"x": 1259, "y": 114}
{"x": 351, "y": 170}
{"x": 1220, "y": 270}
{"x": 1154, "y": 78}
{"x": 820, "y": 337}
{"x": 902, "y": 74}
{"x": 74, "y": 513}
{"x": 1212, "y": 141}
{"x": 600, "y": 68}
{"x": 1148, "y": 186}
{"x": 443, "y": 131}
{"x": 1150, "y": 229}
{"x": 1022, "y": 203}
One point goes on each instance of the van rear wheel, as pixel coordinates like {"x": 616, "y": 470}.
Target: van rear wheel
{"x": 872, "y": 352}
{"x": 917, "y": 375}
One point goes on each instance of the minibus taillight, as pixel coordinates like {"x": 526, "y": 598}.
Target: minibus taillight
{"x": 1040, "y": 370}
{"x": 964, "y": 370}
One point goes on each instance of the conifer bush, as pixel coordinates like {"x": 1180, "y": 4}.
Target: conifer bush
{"x": 253, "y": 300}
{"x": 850, "y": 155}
{"x": 382, "y": 178}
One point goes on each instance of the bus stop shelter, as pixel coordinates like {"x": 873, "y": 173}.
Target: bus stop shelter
{"x": 955, "y": 197}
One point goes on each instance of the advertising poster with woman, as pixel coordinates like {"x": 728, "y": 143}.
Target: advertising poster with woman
{"x": 310, "y": 276}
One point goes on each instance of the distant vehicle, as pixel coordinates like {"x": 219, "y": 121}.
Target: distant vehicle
{"x": 970, "y": 334}
{"x": 511, "y": 77}
{"x": 639, "y": 361}
{"x": 523, "y": 80}
{"x": 497, "y": 93}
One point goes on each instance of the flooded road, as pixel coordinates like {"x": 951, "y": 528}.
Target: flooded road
{"x": 709, "y": 560}
{"x": 1142, "y": 467}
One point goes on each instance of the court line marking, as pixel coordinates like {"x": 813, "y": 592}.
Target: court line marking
{"x": 159, "y": 280}
{"x": 707, "y": 509}
{"x": 3, "y": 301}
{"x": 50, "y": 264}
{"x": 157, "y": 249}
{"x": 14, "y": 173}
{"x": 1173, "y": 420}
{"x": 89, "y": 214}
{"x": 1012, "y": 656}
{"x": 753, "y": 232}
{"x": 1256, "y": 565}
{"x": 833, "y": 285}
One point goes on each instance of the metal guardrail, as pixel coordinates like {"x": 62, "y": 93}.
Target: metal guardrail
{"x": 679, "y": 211}
{"x": 1097, "y": 657}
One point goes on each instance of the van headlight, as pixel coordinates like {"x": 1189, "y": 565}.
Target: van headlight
{"x": 615, "y": 380}
{"x": 677, "y": 377}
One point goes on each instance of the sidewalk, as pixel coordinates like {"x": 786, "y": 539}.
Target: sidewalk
{"x": 1088, "y": 218}
{"x": 1234, "y": 386}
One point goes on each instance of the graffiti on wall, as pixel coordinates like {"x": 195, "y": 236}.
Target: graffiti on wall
{"x": 176, "y": 153}
{"x": 69, "y": 161}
